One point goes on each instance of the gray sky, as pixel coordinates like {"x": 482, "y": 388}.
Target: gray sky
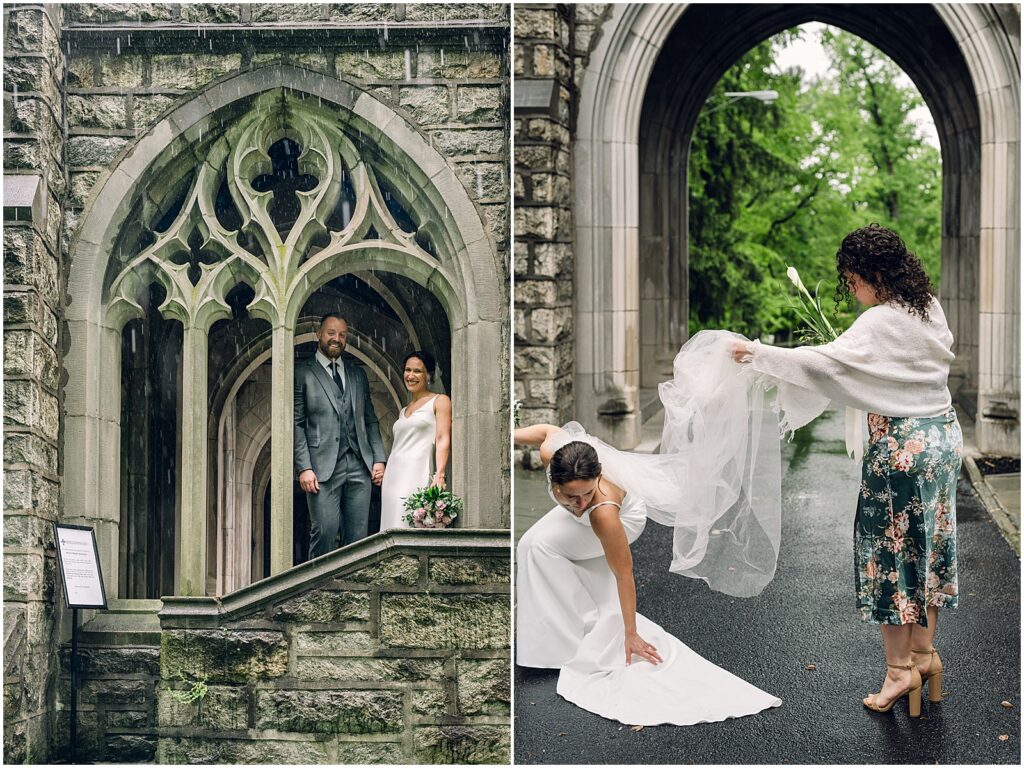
{"x": 810, "y": 55}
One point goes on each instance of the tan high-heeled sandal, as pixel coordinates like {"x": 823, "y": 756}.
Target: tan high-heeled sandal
{"x": 933, "y": 676}
{"x": 913, "y": 693}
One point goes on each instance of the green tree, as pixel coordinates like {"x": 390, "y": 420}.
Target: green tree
{"x": 780, "y": 184}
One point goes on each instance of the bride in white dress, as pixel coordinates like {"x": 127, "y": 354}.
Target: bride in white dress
{"x": 716, "y": 483}
{"x": 422, "y": 436}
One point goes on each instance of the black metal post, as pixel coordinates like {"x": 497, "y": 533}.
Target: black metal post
{"x": 74, "y": 685}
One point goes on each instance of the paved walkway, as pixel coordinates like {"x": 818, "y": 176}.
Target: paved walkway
{"x": 805, "y": 616}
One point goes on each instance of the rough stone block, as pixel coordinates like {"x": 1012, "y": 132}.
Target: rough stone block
{"x": 536, "y": 23}
{"x": 97, "y": 111}
{"x": 485, "y": 180}
{"x": 121, "y": 71}
{"x": 264, "y": 12}
{"x": 113, "y": 661}
{"x": 25, "y": 448}
{"x": 455, "y": 142}
{"x": 444, "y": 621}
{"x": 497, "y": 222}
{"x": 483, "y": 686}
{"x": 191, "y": 71}
{"x": 553, "y": 259}
{"x": 348, "y": 670}
{"x": 81, "y": 72}
{"x": 23, "y": 74}
{"x": 339, "y": 642}
{"x": 430, "y": 703}
{"x": 114, "y": 691}
{"x": 223, "y": 656}
{"x": 361, "y": 11}
{"x": 403, "y": 569}
{"x": 330, "y": 711}
{"x": 21, "y": 153}
{"x": 210, "y": 13}
{"x": 94, "y": 150}
{"x": 260, "y": 750}
{"x": 17, "y": 489}
{"x": 529, "y": 292}
{"x": 27, "y": 531}
{"x": 24, "y": 30}
{"x": 21, "y": 403}
{"x": 454, "y": 744}
{"x": 370, "y": 753}
{"x": 223, "y": 708}
{"x": 314, "y": 61}
{"x": 146, "y": 110}
{"x": 125, "y": 748}
{"x": 544, "y": 60}
{"x": 81, "y": 186}
{"x": 385, "y": 65}
{"x": 426, "y": 103}
{"x": 551, "y": 325}
{"x": 535, "y": 158}
{"x": 128, "y": 719}
{"x": 443, "y": 63}
{"x": 481, "y": 104}
{"x": 454, "y": 11}
{"x": 322, "y": 606}
{"x": 470, "y": 570}
{"x": 100, "y": 13}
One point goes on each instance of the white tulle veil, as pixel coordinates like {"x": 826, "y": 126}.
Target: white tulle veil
{"x": 717, "y": 478}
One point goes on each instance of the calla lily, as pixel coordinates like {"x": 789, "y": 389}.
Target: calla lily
{"x": 794, "y": 277}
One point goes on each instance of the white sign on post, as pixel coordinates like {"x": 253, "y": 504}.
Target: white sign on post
{"x": 80, "y": 566}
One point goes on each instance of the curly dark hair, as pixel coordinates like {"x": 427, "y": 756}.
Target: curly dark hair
{"x": 880, "y": 257}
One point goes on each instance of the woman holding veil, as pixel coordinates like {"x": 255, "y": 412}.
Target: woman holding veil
{"x": 576, "y": 598}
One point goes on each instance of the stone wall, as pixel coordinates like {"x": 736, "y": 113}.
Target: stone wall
{"x": 552, "y": 44}
{"x": 34, "y": 189}
{"x": 393, "y": 651}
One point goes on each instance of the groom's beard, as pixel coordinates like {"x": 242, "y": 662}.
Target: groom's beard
{"x": 331, "y": 350}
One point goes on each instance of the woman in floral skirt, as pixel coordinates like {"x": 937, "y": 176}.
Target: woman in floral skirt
{"x": 893, "y": 362}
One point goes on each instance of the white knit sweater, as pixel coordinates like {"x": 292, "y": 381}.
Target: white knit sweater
{"x": 889, "y": 362}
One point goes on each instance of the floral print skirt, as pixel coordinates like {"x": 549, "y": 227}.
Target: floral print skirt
{"x": 905, "y": 531}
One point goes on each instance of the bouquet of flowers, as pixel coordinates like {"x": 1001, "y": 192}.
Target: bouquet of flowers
{"x": 819, "y": 330}
{"x": 431, "y": 507}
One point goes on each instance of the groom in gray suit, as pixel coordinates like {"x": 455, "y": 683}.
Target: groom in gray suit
{"x": 338, "y": 450}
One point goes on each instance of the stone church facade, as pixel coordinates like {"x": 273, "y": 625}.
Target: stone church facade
{"x": 187, "y": 188}
{"x": 607, "y": 96}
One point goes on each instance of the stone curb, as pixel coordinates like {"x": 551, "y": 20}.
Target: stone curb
{"x": 1005, "y": 522}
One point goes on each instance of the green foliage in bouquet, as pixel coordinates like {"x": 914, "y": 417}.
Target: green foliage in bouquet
{"x": 432, "y": 507}
{"x": 817, "y": 330}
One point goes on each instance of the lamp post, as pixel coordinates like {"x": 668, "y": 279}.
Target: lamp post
{"x": 766, "y": 97}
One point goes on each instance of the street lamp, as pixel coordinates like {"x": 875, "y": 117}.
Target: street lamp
{"x": 766, "y": 97}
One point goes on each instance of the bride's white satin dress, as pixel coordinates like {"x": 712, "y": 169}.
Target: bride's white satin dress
{"x": 568, "y": 617}
{"x": 408, "y": 467}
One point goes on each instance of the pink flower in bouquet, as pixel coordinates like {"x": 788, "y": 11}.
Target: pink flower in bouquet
{"x": 438, "y": 513}
{"x": 442, "y": 504}
{"x": 419, "y": 514}
{"x": 428, "y": 522}
{"x": 446, "y": 520}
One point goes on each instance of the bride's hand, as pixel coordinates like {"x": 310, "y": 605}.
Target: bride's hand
{"x": 742, "y": 351}
{"x": 637, "y": 645}
{"x": 438, "y": 480}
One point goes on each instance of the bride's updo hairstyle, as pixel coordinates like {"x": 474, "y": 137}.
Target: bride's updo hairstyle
{"x": 424, "y": 357}
{"x": 880, "y": 257}
{"x": 574, "y": 461}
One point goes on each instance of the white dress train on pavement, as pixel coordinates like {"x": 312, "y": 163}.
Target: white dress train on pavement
{"x": 568, "y": 617}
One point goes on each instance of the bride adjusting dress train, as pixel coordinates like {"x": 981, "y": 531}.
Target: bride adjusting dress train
{"x": 717, "y": 483}
{"x": 568, "y": 617}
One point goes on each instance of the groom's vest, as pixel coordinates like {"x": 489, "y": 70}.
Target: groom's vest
{"x": 349, "y": 439}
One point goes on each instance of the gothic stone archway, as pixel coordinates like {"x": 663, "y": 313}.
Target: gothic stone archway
{"x": 964, "y": 60}
{"x": 304, "y": 107}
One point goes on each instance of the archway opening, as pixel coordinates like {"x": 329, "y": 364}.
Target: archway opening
{"x": 704, "y": 46}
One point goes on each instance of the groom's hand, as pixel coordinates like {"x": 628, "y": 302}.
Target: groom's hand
{"x": 308, "y": 481}
{"x": 377, "y": 474}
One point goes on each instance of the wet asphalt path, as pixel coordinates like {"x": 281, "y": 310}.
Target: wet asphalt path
{"x": 807, "y": 616}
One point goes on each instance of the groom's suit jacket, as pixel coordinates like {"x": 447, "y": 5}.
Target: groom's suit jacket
{"x": 319, "y": 422}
